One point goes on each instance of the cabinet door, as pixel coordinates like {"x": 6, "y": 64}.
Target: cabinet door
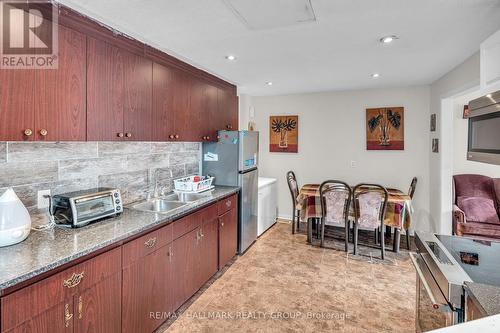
{"x": 138, "y": 75}
{"x": 147, "y": 292}
{"x": 195, "y": 116}
{"x": 105, "y": 91}
{"x": 163, "y": 93}
{"x": 60, "y": 93}
{"x": 98, "y": 309}
{"x": 211, "y": 124}
{"x": 208, "y": 259}
{"x": 58, "y": 319}
{"x": 227, "y": 115}
{"x": 185, "y": 269}
{"x": 228, "y": 233}
{"x": 181, "y": 106}
{"x": 16, "y": 104}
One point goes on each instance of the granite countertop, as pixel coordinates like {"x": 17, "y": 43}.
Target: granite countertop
{"x": 48, "y": 249}
{"x": 487, "y": 296}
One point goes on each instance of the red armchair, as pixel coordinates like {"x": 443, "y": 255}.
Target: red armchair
{"x": 476, "y": 206}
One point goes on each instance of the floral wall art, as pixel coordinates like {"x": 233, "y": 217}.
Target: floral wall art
{"x": 385, "y": 128}
{"x": 283, "y": 132}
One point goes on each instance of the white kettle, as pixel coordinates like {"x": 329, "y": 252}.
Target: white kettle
{"x": 15, "y": 221}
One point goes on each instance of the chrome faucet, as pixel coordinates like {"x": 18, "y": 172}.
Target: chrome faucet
{"x": 158, "y": 191}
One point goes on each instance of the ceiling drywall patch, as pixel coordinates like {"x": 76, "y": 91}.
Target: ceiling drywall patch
{"x": 269, "y": 14}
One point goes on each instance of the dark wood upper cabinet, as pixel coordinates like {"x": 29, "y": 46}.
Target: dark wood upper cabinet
{"x": 210, "y": 112}
{"x": 119, "y": 91}
{"x": 181, "y": 105}
{"x": 138, "y": 85}
{"x": 163, "y": 92}
{"x": 60, "y": 93}
{"x": 105, "y": 91}
{"x": 227, "y": 113}
{"x": 17, "y": 118}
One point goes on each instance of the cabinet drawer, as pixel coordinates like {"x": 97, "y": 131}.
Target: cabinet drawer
{"x": 210, "y": 213}
{"x": 146, "y": 244}
{"x": 187, "y": 224}
{"x": 227, "y": 204}
{"x": 23, "y": 304}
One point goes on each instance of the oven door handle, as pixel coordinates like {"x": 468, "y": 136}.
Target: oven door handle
{"x": 435, "y": 304}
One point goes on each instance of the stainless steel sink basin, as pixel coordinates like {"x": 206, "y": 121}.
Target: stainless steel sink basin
{"x": 159, "y": 205}
{"x": 187, "y": 197}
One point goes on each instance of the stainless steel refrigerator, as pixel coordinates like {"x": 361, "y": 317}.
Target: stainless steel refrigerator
{"x": 233, "y": 162}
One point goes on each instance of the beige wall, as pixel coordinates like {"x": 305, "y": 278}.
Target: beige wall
{"x": 332, "y": 134}
{"x": 461, "y": 80}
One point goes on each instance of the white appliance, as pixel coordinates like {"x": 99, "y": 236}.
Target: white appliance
{"x": 268, "y": 204}
{"x": 15, "y": 221}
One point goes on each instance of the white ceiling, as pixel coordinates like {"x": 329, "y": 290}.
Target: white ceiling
{"x": 338, "y": 51}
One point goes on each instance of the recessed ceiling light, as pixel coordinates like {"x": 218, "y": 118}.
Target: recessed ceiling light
{"x": 388, "y": 39}
{"x": 375, "y": 75}
{"x": 269, "y": 83}
{"x": 230, "y": 57}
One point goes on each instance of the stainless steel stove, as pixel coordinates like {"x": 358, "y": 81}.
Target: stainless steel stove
{"x": 443, "y": 264}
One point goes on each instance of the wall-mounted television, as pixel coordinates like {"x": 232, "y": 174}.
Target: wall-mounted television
{"x": 484, "y": 129}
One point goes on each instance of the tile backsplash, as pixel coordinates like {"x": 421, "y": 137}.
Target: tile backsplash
{"x": 61, "y": 167}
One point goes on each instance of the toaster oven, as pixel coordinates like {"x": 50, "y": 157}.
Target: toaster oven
{"x": 77, "y": 209}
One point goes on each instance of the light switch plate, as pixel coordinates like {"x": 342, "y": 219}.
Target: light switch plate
{"x": 42, "y": 201}
{"x": 353, "y": 164}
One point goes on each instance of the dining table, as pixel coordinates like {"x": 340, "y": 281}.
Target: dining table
{"x": 397, "y": 216}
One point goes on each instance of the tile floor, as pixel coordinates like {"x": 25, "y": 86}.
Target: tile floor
{"x": 281, "y": 284}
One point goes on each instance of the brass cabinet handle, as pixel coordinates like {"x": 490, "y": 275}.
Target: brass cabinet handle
{"x": 28, "y": 132}
{"x": 228, "y": 126}
{"x": 170, "y": 254}
{"x": 43, "y": 132}
{"x": 120, "y": 135}
{"x": 80, "y": 307}
{"x": 128, "y": 135}
{"x": 208, "y": 137}
{"x": 222, "y": 224}
{"x": 176, "y": 136}
{"x": 228, "y": 203}
{"x": 201, "y": 233}
{"x": 67, "y": 315}
{"x": 73, "y": 281}
{"x": 150, "y": 242}
{"x": 171, "y": 136}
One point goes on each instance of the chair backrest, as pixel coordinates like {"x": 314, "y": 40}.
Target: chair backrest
{"x": 413, "y": 187}
{"x": 335, "y": 201}
{"x": 370, "y": 204}
{"x": 293, "y": 186}
{"x": 469, "y": 185}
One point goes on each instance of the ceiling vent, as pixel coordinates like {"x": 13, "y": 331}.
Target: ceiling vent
{"x": 269, "y": 14}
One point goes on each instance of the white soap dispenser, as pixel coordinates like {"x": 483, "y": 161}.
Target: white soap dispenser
{"x": 15, "y": 221}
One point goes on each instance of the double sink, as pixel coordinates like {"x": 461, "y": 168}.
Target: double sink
{"x": 169, "y": 202}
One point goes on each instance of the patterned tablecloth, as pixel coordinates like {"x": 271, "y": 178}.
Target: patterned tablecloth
{"x": 398, "y": 213}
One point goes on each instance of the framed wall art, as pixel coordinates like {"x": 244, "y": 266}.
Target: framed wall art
{"x": 284, "y": 134}
{"x": 385, "y": 128}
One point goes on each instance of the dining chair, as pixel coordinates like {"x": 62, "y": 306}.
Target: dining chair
{"x": 370, "y": 203}
{"x": 411, "y": 192}
{"x": 294, "y": 192}
{"x": 335, "y": 203}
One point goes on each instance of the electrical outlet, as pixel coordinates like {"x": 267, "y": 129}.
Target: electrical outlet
{"x": 353, "y": 164}
{"x": 42, "y": 201}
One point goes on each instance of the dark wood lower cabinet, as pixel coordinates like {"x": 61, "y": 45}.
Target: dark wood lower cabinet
{"x": 185, "y": 249}
{"x": 147, "y": 292}
{"x": 98, "y": 309}
{"x": 228, "y": 233}
{"x": 133, "y": 287}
